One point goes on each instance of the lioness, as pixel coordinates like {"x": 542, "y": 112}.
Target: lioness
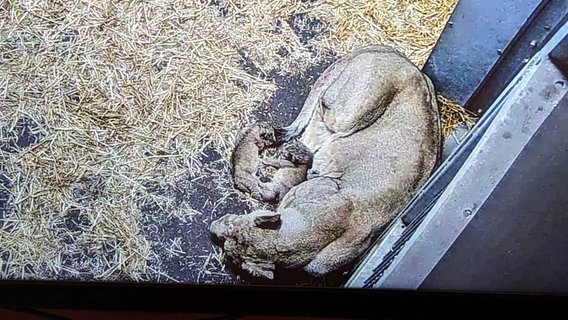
{"x": 372, "y": 124}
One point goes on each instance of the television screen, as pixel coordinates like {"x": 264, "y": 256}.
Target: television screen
{"x": 343, "y": 144}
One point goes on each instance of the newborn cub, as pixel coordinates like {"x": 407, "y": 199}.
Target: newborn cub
{"x": 293, "y": 160}
{"x": 245, "y": 159}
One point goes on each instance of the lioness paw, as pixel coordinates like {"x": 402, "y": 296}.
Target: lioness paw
{"x": 316, "y": 269}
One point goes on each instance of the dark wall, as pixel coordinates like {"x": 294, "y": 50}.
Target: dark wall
{"x": 518, "y": 241}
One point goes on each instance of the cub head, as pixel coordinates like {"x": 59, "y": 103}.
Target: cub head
{"x": 296, "y": 152}
{"x": 269, "y": 135}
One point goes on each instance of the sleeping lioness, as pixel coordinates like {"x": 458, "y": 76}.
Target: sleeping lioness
{"x": 371, "y": 122}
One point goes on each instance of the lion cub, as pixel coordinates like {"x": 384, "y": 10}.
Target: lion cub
{"x": 245, "y": 159}
{"x": 293, "y": 160}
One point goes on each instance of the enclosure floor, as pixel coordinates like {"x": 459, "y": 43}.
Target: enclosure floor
{"x": 118, "y": 119}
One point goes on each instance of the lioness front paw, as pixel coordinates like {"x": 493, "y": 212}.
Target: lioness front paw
{"x": 316, "y": 269}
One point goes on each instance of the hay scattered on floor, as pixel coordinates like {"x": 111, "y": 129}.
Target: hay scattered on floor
{"x": 115, "y": 100}
{"x": 412, "y": 26}
{"x": 453, "y": 115}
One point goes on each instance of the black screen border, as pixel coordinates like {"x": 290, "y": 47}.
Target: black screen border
{"x": 245, "y": 300}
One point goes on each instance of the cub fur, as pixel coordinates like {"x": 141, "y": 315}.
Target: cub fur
{"x": 294, "y": 159}
{"x": 245, "y": 159}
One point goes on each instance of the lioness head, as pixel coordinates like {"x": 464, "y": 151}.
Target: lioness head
{"x": 248, "y": 240}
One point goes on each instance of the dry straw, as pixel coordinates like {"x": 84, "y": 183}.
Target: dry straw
{"x": 124, "y": 94}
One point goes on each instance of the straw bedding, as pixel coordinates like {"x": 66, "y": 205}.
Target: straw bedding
{"x": 117, "y": 120}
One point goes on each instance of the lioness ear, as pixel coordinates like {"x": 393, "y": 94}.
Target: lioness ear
{"x": 268, "y": 221}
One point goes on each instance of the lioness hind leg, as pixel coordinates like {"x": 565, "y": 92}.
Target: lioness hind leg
{"x": 313, "y": 101}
